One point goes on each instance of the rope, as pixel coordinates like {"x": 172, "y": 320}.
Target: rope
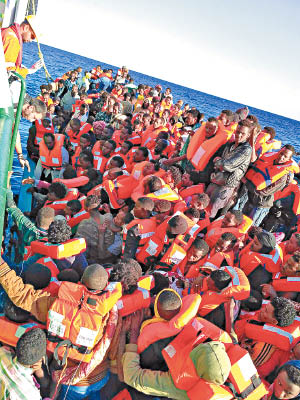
{"x": 48, "y": 76}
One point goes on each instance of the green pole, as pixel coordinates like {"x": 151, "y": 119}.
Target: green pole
{"x": 17, "y": 119}
{"x": 6, "y": 124}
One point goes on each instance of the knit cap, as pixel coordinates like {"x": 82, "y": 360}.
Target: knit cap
{"x": 211, "y": 362}
{"x": 95, "y": 277}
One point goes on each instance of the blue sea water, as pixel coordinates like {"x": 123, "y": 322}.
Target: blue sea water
{"x": 58, "y": 61}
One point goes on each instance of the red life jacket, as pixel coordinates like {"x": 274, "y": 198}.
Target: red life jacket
{"x": 10, "y": 331}
{"x": 146, "y": 227}
{"x": 58, "y": 251}
{"x": 129, "y": 303}
{"x": 77, "y": 316}
{"x": 292, "y": 190}
{"x": 243, "y": 375}
{"x": 61, "y": 204}
{"x": 41, "y": 130}
{"x": 250, "y": 260}
{"x": 52, "y": 159}
{"x": 54, "y": 284}
{"x": 75, "y": 136}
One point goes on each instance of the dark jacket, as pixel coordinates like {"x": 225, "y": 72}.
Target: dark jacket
{"x": 236, "y": 161}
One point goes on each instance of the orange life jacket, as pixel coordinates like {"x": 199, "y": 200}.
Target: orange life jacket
{"x": 147, "y": 228}
{"x": 263, "y": 173}
{"x": 249, "y": 260}
{"x": 243, "y": 375}
{"x": 52, "y": 159}
{"x": 54, "y": 284}
{"x": 40, "y": 131}
{"x": 215, "y": 230}
{"x": 100, "y": 161}
{"x": 157, "y": 328}
{"x": 61, "y": 204}
{"x": 239, "y": 289}
{"x": 201, "y": 149}
{"x": 281, "y": 337}
{"x": 214, "y": 260}
{"x": 75, "y": 136}
{"x": 77, "y": 315}
{"x": 58, "y": 251}
{"x": 189, "y": 191}
{"x": 286, "y": 283}
{"x": 10, "y": 331}
{"x": 129, "y": 303}
{"x": 119, "y": 188}
{"x": 77, "y": 218}
{"x": 291, "y": 190}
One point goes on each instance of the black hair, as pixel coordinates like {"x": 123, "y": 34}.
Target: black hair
{"x": 14, "y": 313}
{"x": 253, "y": 302}
{"x": 246, "y": 123}
{"x": 119, "y": 161}
{"x": 37, "y": 275}
{"x": 192, "y": 212}
{"x": 92, "y": 174}
{"x": 146, "y": 202}
{"x": 238, "y": 215}
{"x": 252, "y": 118}
{"x": 113, "y": 143}
{"x": 203, "y": 198}
{"x": 154, "y": 184}
{"x": 31, "y": 347}
{"x": 169, "y": 300}
{"x": 87, "y": 155}
{"x": 160, "y": 282}
{"x": 86, "y": 136}
{"x": 196, "y": 114}
{"x": 144, "y": 150}
{"x": 74, "y": 205}
{"x": 270, "y": 130}
{"x": 59, "y": 189}
{"x": 296, "y": 257}
{"x": 49, "y": 134}
{"x": 221, "y": 278}
{"x": 128, "y": 143}
{"x": 201, "y": 244}
{"x": 68, "y": 275}
{"x": 213, "y": 119}
{"x": 228, "y": 236}
{"x": 293, "y": 373}
{"x": 284, "y": 311}
{"x": 59, "y": 232}
{"x": 128, "y": 273}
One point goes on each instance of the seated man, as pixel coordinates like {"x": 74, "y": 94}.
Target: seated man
{"x": 17, "y": 368}
{"x": 287, "y": 382}
{"x": 260, "y": 259}
{"x": 222, "y": 253}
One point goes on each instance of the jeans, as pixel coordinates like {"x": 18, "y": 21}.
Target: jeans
{"x": 258, "y": 214}
{"x": 105, "y": 84}
{"x": 92, "y": 392}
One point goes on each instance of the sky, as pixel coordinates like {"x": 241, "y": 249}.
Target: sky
{"x": 246, "y": 51}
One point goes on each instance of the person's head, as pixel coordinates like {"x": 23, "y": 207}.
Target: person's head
{"x": 168, "y": 304}
{"x": 225, "y": 242}
{"x": 226, "y": 117}
{"x": 193, "y": 214}
{"x": 119, "y": 219}
{"x": 173, "y": 176}
{"x": 68, "y": 275}
{"x": 126, "y": 146}
{"x": 72, "y": 207}
{"x": 198, "y": 250}
{"x": 84, "y": 141}
{"x": 253, "y": 302}
{"x": 218, "y": 280}
{"x": 128, "y": 272}
{"x": 291, "y": 267}
{"x": 95, "y": 277}
{"x": 116, "y": 162}
{"x": 243, "y": 131}
{"x": 108, "y": 147}
{"x": 44, "y": 217}
{"x": 141, "y": 154}
{"x": 263, "y": 243}
{"x": 69, "y": 172}
{"x": 75, "y": 124}
{"x": 27, "y": 30}
{"x": 280, "y": 311}
{"x": 34, "y": 109}
{"x": 160, "y": 146}
{"x": 49, "y": 140}
{"x": 92, "y": 202}
{"x": 293, "y": 244}
{"x": 177, "y": 225}
{"x": 59, "y": 232}
{"x": 200, "y": 201}
{"x": 211, "y": 127}
{"x": 31, "y": 348}
{"x": 37, "y": 275}
{"x": 271, "y": 131}
{"x": 287, "y": 383}
{"x": 143, "y": 207}
{"x": 85, "y": 159}
{"x": 98, "y": 128}
{"x": 152, "y": 184}
{"x": 14, "y": 313}
{"x": 232, "y": 218}
{"x": 192, "y": 118}
{"x": 285, "y": 154}
{"x": 57, "y": 191}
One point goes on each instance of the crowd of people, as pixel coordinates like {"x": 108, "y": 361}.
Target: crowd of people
{"x": 166, "y": 262}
